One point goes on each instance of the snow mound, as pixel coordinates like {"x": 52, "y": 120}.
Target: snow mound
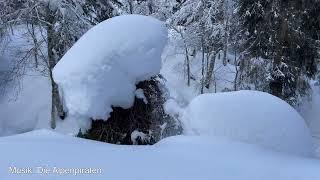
{"x": 252, "y": 117}
{"x": 102, "y": 68}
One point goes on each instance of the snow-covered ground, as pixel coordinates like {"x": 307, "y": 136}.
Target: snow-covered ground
{"x": 181, "y": 157}
{"x": 29, "y": 110}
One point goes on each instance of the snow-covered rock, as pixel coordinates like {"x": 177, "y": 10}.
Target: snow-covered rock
{"x": 102, "y": 68}
{"x": 249, "y": 116}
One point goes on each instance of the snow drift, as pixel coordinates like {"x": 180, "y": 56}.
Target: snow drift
{"x": 102, "y": 68}
{"x": 175, "y": 158}
{"x": 249, "y": 116}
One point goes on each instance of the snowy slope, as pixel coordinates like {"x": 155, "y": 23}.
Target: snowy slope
{"x": 176, "y": 158}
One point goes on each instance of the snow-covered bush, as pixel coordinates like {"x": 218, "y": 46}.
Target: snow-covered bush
{"x": 249, "y": 116}
{"x": 106, "y": 78}
{"x": 146, "y": 122}
{"x": 102, "y": 68}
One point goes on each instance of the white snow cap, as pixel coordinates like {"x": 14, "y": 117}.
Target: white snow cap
{"x": 102, "y": 68}
{"x": 140, "y": 95}
{"x": 252, "y": 117}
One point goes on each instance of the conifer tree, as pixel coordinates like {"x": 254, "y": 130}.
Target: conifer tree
{"x": 282, "y": 33}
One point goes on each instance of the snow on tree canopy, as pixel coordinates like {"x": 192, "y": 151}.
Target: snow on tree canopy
{"x": 249, "y": 116}
{"x": 102, "y": 68}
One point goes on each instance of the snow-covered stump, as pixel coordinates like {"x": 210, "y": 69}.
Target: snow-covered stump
{"x": 108, "y": 83}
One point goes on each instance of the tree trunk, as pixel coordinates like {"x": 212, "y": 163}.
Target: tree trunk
{"x": 210, "y": 70}
{"x": 188, "y": 66}
{"x": 226, "y": 34}
{"x": 235, "y": 85}
{"x": 150, "y": 7}
{"x": 202, "y": 68}
{"x": 56, "y": 101}
{"x": 35, "y": 43}
{"x": 130, "y": 7}
{"x": 276, "y": 85}
{"x": 207, "y": 61}
{"x": 53, "y": 115}
{"x": 187, "y": 56}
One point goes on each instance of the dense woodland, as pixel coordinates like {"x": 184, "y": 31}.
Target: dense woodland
{"x": 275, "y": 44}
